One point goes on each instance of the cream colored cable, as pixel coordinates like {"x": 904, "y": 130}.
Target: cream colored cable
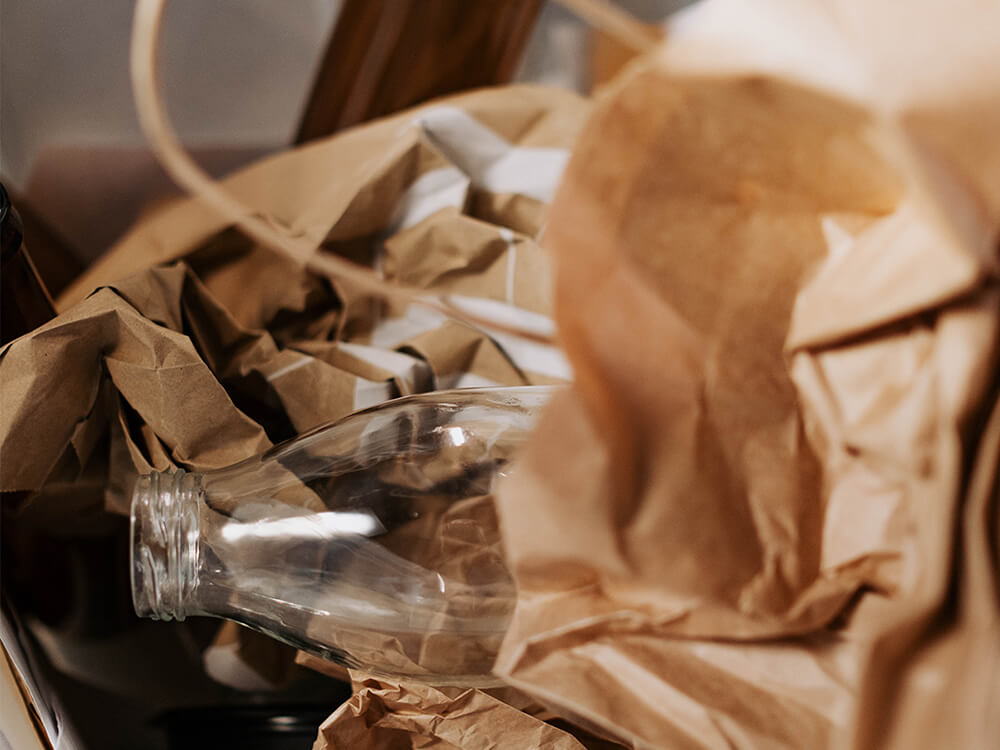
{"x": 188, "y": 175}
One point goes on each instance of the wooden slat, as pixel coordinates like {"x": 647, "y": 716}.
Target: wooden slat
{"x": 386, "y": 55}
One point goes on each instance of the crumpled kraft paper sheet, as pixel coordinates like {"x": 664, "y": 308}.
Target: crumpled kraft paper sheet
{"x": 755, "y": 519}
{"x": 225, "y": 348}
{"x": 773, "y": 519}
{"x": 241, "y": 342}
{"x": 383, "y": 715}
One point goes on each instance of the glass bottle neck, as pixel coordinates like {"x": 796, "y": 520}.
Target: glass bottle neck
{"x": 372, "y": 542}
{"x": 165, "y": 544}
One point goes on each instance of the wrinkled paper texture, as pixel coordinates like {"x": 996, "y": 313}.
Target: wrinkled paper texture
{"x": 225, "y": 348}
{"x": 775, "y": 257}
{"x": 384, "y": 715}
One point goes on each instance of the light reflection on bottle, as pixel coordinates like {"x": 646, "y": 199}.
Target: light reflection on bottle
{"x": 373, "y": 542}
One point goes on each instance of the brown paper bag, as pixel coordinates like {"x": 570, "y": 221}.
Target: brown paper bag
{"x": 414, "y": 192}
{"x": 775, "y": 259}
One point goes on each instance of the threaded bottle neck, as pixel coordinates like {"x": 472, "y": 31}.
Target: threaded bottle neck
{"x": 164, "y": 544}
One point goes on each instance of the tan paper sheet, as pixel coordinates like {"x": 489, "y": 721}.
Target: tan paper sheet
{"x": 776, "y": 280}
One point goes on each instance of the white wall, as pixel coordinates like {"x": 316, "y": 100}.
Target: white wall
{"x": 236, "y": 72}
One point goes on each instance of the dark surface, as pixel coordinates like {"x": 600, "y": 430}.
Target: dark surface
{"x": 24, "y": 302}
{"x": 183, "y": 709}
{"x": 291, "y": 727}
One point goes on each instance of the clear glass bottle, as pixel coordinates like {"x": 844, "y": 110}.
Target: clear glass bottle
{"x": 372, "y": 542}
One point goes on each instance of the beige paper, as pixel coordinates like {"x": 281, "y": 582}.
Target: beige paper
{"x": 905, "y": 705}
{"x": 778, "y": 294}
{"x": 294, "y": 353}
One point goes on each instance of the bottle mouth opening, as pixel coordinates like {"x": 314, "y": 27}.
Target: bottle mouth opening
{"x": 164, "y": 544}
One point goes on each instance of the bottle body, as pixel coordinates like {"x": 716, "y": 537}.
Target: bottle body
{"x": 372, "y": 542}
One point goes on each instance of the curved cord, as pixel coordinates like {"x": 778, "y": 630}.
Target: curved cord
{"x": 188, "y": 175}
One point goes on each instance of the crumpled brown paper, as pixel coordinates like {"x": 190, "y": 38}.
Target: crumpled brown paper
{"x": 225, "y": 348}
{"x": 383, "y": 715}
{"x": 776, "y": 280}
{"x": 242, "y": 342}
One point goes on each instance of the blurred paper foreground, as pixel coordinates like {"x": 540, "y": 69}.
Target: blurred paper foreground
{"x": 765, "y": 515}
